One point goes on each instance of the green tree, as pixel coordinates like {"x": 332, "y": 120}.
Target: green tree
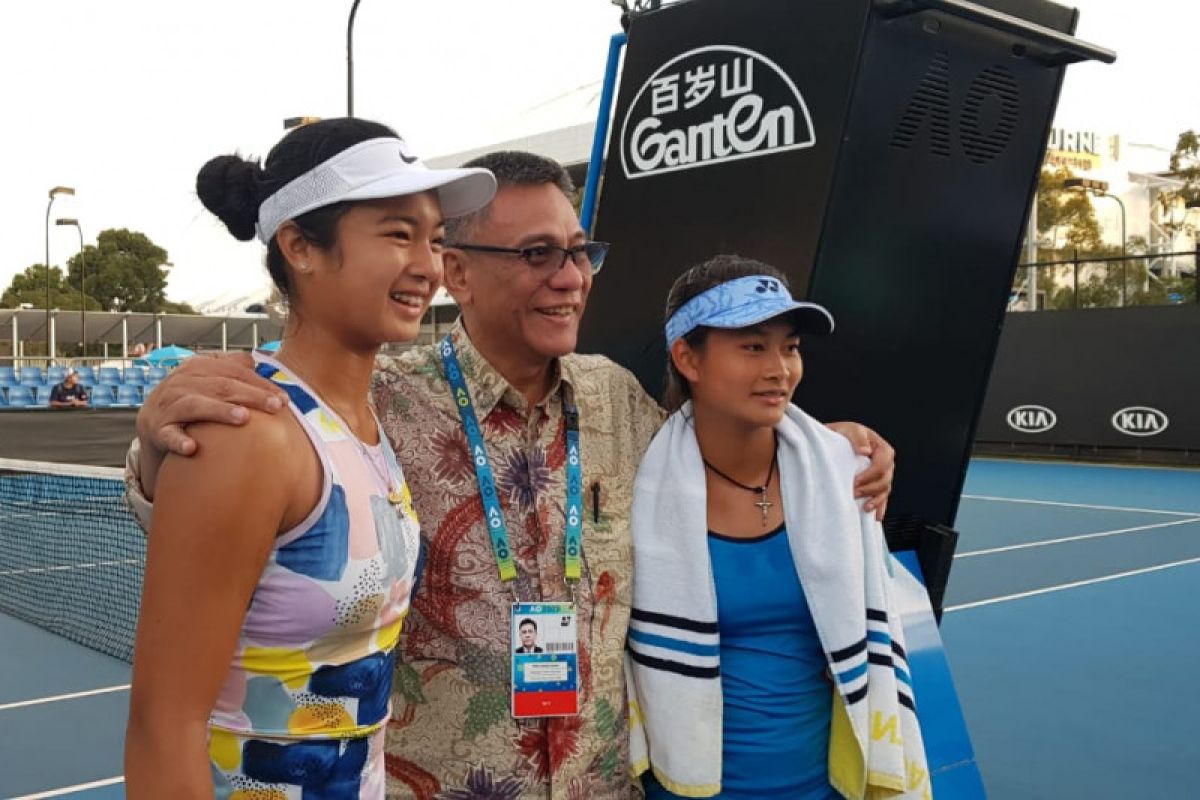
{"x": 1067, "y": 224}
{"x": 30, "y": 287}
{"x": 1066, "y": 216}
{"x": 125, "y": 271}
{"x": 1185, "y": 166}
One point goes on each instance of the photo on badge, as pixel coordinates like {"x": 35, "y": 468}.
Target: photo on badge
{"x": 544, "y": 662}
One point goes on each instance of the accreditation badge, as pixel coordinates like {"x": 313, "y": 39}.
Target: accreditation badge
{"x": 545, "y": 662}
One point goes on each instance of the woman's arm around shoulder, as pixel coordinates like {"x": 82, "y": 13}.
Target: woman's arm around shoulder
{"x": 216, "y": 517}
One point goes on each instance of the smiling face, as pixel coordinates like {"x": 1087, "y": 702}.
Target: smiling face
{"x": 375, "y": 284}
{"x": 528, "y": 314}
{"x": 747, "y": 374}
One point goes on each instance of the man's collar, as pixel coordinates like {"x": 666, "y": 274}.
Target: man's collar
{"x": 488, "y": 387}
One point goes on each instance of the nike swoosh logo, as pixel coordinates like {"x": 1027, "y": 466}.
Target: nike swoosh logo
{"x": 407, "y": 159}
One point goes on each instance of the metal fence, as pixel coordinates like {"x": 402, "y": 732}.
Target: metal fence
{"x": 1150, "y": 279}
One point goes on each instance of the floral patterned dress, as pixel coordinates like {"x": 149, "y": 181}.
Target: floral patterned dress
{"x": 303, "y": 708}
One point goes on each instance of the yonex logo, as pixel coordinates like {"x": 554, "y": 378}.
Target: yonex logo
{"x": 1031, "y": 419}
{"x": 710, "y": 105}
{"x": 767, "y": 285}
{"x": 1140, "y": 421}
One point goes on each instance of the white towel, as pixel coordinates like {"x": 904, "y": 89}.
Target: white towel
{"x": 673, "y": 660}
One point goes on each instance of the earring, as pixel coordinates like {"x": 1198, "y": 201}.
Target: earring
{"x": 303, "y": 266}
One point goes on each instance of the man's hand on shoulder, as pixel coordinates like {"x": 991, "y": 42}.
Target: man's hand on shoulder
{"x": 218, "y": 389}
{"x": 204, "y": 389}
{"x": 874, "y": 482}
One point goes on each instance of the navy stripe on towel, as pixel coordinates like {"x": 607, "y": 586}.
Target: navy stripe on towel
{"x": 674, "y": 666}
{"x": 674, "y": 622}
{"x": 906, "y": 701}
{"x": 880, "y": 659}
{"x": 856, "y": 695}
{"x": 877, "y": 616}
{"x": 848, "y": 652}
{"x": 898, "y": 650}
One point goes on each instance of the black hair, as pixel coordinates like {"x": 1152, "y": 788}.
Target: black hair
{"x": 697, "y": 280}
{"x": 233, "y": 188}
{"x": 526, "y": 621}
{"x": 511, "y": 168}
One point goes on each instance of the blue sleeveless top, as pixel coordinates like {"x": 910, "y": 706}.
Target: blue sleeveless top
{"x": 777, "y": 702}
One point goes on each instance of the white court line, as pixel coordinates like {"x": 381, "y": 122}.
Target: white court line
{"x": 1074, "y": 585}
{"x": 69, "y": 567}
{"x": 37, "y": 701}
{"x": 79, "y": 787}
{"x": 1078, "y": 505}
{"x": 1081, "y": 537}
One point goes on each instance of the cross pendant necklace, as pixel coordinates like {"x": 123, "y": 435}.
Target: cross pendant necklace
{"x": 764, "y": 505}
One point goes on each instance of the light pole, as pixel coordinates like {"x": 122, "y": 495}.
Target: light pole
{"x": 57, "y": 190}
{"x": 82, "y": 278}
{"x": 350, "y": 60}
{"x": 1100, "y": 189}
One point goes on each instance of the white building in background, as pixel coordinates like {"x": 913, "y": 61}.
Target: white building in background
{"x": 1135, "y": 172}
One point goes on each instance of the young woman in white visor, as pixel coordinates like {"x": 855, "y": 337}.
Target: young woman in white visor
{"x": 282, "y": 557}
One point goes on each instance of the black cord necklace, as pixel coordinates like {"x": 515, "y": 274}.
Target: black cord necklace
{"x": 764, "y": 505}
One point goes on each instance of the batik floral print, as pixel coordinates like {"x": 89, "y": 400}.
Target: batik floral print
{"x": 452, "y": 735}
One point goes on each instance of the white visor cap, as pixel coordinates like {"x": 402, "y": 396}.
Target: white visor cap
{"x": 371, "y": 170}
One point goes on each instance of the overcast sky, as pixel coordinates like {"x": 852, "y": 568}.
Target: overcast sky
{"x": 125, "y": 99}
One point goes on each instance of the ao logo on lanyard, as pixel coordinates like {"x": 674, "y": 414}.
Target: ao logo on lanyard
{"x": 545, "y": 676}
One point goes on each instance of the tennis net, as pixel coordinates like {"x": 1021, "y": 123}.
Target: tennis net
{"x": 71, "y": 555}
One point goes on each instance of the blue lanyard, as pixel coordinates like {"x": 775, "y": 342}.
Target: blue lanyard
{"x": 493, "y": 514}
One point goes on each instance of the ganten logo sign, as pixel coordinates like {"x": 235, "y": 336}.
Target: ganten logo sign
{"x": 1031, "y": 419}
{"x": 710, "y": 105}
{"x": 1140, "y": 421}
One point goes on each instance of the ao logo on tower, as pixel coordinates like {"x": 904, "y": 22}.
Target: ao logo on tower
{"x": 710, "y": 105}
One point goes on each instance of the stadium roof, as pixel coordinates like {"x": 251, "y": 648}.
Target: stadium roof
{"x": 560, "y": 128}
{"x": 238, "y": 331}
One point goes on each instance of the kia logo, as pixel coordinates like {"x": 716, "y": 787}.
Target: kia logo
{"x": 1140, "y": 421}
{"x": 710, "y": 105}
{"x": 1031, "y": 419}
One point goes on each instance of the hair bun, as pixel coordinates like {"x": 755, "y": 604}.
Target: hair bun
{"x": 228, "y": 186}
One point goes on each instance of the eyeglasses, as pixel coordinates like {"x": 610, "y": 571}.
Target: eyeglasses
{"x": 544, "y": 256}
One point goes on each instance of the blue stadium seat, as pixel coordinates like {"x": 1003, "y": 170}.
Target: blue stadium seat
{"x": 110, "y": 376}
{"x": 134, "y": 376}
{"x": 20, "y": 396}
{"x": 3, "y": 397}
{"x": 31, "y": 376}
{"x": 129, "y": 395}
{"x": 101, "y": 396}
{"x": 155, "y": 374}
{"x": 87, "y": 376}
{"x": 42, "y": 394}
{"x": 8, "y": 376}
{"x": 55, "y": 374}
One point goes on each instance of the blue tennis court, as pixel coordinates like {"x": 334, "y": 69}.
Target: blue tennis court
{"x": 1070, "y": 625}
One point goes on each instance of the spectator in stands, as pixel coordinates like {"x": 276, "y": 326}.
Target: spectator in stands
{"x": 70, "y": 393}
